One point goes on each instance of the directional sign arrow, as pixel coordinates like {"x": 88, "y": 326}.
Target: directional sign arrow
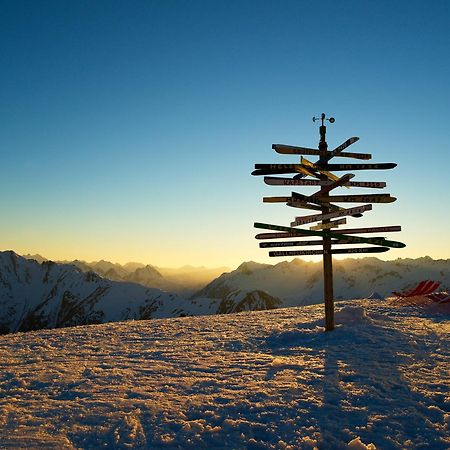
{"x": 342, "y": 213}
{"x": 339, "y": 182}
{"x": 339, "y": 149}
{"x": 388, "y": 229}
{"x": 296, "y": 197}
{"x": 333, "y": 251}
{"x": 364, "y": 166}
{"x": 332, "y": 224}
{"x": 275, "y": 169}
{"x": 277, "y": 166}
{"x": 292, "y": 150}
{"x": 308, "y": 198}
{"x": 277, "y": 181}
{"x": 331, "y": 234}
{"x": 277, "y": 235}
{"x": 372, "y": 198}
{"x": 309, "y": 164}
{"x": 296, "y": 204}
{"x": 306, "y": 171}
{"x": 296, "y": 243}
{"x": 276, "y": 199}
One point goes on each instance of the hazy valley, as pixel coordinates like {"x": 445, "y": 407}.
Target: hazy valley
{"x": 183, "y": 280}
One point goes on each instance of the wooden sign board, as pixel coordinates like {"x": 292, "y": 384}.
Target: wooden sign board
{"x": 324, "y": 252}
{"x": 293, "y": 150}
{"x": 276, "y": 199}
{"x": 331, "y": 234}
{"x": 369, "y": 198}
{"x": 308, "y": 199}
{"x": 329, "y": 175}
{"x": 296, "y": 204}
{"x": 343, "y": 146}
{"x": 339, "y": 182}
{"x": 326, "y": 166}
{"x": 274, "y": 169}
{"x": 351, "y": 167}
{"x": 297, "y": 243}
{"x": 304, "y": 201}
{"x": 327, "y": 226}
{"x": 317, "y": 217}
{"x": 303, "y": 171}
{"x": 276, "y": 181}
{"x": 387, "y": 229}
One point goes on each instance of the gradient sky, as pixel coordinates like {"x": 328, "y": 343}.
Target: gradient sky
{"x": 128, "y": 129}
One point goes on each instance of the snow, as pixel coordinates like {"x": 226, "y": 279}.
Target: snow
{"x": 258, "y": 380}
{"x": 299, "y": 283}
{"x": 50, "y": 295}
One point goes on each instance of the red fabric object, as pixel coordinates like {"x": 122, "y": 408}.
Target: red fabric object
{"x": 423, "y": 288}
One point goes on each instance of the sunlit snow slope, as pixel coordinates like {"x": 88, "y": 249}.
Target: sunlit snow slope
{"x": 50, "y": 295}
{"x": 267, "y": 380}
{"x": 299, "y": 282}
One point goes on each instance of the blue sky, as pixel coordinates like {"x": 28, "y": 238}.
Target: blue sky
{"x": 128, "y": 129}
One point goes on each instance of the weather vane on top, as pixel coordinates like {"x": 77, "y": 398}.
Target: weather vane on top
{"x": 322, "y": 131}
{"x": 322, "y": 118}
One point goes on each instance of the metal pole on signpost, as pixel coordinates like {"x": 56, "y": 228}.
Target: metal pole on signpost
{"x": 327, "y": 256}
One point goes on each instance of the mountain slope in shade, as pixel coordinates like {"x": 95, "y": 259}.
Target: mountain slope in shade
{"x": 258, "y": 380}
{"x": 50, "y": 295}
{"x": 299, "y": 282}
{"x": 40, "y": 259}
{"x": 247, "y": 301}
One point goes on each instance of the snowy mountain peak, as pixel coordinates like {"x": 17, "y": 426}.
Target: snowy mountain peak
{"x": 49, "y": 295}
{"x": 249, "y": 267}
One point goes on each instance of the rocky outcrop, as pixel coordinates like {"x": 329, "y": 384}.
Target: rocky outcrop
{"x": 247, "y": 301}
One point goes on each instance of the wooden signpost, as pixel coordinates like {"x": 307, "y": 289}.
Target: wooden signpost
{"x": 320, "y": 175}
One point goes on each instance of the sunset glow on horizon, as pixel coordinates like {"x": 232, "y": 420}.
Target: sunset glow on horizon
{"x": 129, "y": 131}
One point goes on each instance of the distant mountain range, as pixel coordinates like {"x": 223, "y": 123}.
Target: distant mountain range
{"x": 37, "y": 295}
{"x": 51, "y": 295}
{"x": 184, "y": 280}
{"x": 299, "y": 282}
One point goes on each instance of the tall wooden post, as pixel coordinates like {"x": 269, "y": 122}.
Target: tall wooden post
{"x": 327, "y": 256}
{"x": 321, "y": 176}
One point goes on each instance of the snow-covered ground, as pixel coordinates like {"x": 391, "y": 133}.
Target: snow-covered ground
{"x": 270, "y": 379}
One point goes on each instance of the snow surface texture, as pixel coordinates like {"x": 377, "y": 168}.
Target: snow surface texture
{"x": 257, "y": 380}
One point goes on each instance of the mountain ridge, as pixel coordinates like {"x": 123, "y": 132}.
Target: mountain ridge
{"x": 50, "y": 294}
{"x": 183, "y": 280}
{"x": 299, "y": 283}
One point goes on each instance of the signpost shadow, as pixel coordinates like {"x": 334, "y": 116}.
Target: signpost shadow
{"x": 360, "y": 385}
